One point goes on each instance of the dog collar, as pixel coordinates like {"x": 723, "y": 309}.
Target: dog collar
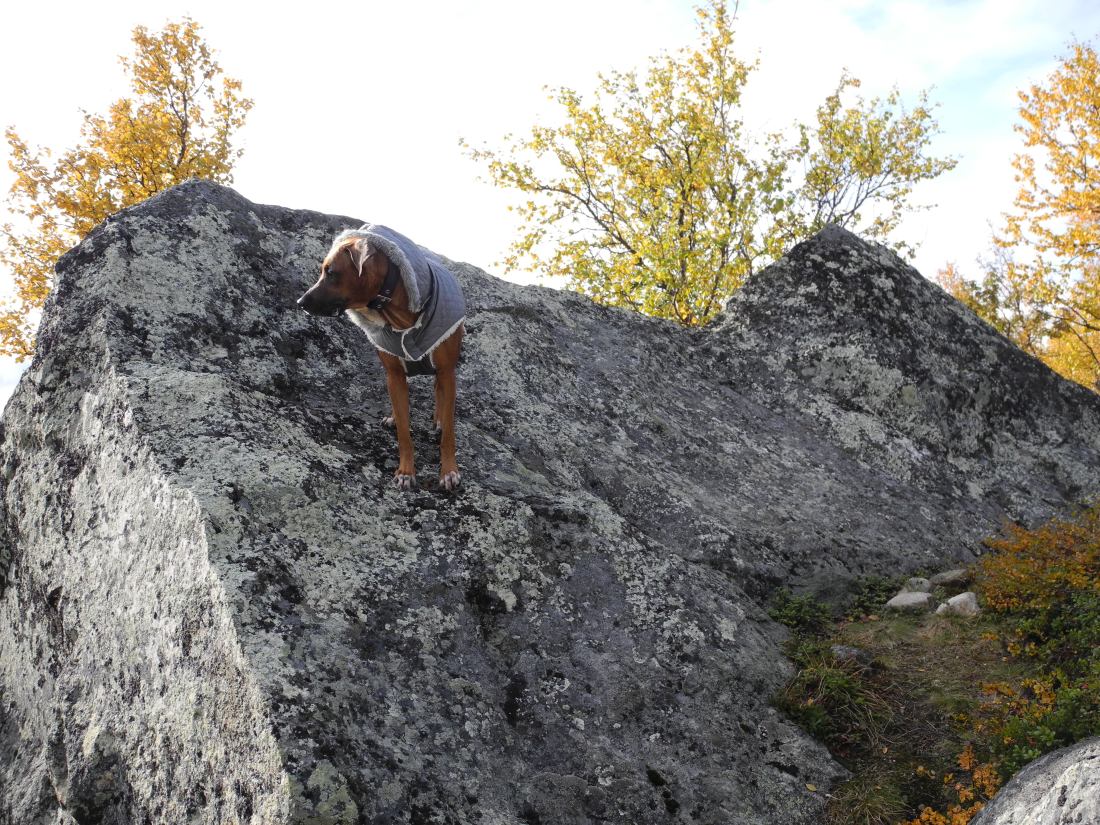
{"x": 385, "y": 294}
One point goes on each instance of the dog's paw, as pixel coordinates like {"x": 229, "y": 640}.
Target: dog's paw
{"x": 387, "y": 421}
{"x": 404, "y": 481}
{"x": 449, "y": 481}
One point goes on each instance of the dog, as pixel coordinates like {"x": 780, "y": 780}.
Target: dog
{"x": 413, "y": 311}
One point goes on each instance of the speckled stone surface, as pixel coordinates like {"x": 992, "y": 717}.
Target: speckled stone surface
{"x": 908, "y": 601}
{"x": 1061, "y": 788}
{"x": 216, "y": 608}
{"x": 951, "y": 578}
{"x": 963, "y": 604}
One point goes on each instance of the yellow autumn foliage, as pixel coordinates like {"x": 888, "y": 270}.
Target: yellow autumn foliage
{"x": 1030, "y": 571}
{"x": 655, "y": 194}
{"x": 1041, "y": 287}
{"x": 972, "y": 790}
{"x": 178, "y": 124}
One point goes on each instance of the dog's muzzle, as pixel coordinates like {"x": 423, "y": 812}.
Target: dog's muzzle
{"x": 314, "y": 306}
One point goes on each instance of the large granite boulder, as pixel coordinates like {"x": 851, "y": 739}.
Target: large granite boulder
{"x": 1061, "y": 788}
{"x": 904, "y": 377}
{"x": 217, "y": 609}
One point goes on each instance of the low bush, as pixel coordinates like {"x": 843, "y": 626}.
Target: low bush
{"x": 802, "y": 614}
{"x": 870, "y": 594}
{"x": 967, "y": 791}
{"x": 1042, "y": 587}
{"x": 1045, "y": 586}
{"x": 1045, "y": 583}
{"x": 1037, "y": 716}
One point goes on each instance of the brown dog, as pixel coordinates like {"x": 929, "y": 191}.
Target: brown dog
{"x": 412, "y": 310}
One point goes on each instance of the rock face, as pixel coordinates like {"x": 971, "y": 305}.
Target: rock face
{"x": 909, "y": 382}
{"x": 1061, "y": 788}
{"x": 216, "y": 609}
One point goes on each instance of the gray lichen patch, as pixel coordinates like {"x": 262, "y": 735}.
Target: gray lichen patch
{"x": 327, "y": 799}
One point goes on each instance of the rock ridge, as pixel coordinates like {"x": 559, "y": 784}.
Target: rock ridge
{"x": 216, "y": 609}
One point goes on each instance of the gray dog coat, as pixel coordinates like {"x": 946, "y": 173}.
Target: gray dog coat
{"x": 433, "y": 291}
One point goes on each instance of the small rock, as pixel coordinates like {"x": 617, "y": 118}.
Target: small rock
{"x": 964, "y": 604}
{"x": 910, "y": 602}
{"x": 847, "y": 653}
{"x": 950, "y": 577}
{"x": 917, "y": 584}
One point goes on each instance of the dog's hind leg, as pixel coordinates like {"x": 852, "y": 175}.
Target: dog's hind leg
{"x": 445, "y": 390}
{"x": 446, "y": 359}
{"x": 398, "y": 387}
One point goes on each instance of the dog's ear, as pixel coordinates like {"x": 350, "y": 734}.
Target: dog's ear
{"x": 359, "y": 250}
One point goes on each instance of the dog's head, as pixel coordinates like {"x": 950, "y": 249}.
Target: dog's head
{"x": 351, "y": 275}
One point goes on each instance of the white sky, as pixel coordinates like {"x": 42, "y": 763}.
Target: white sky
{"x": 359, "y": 107}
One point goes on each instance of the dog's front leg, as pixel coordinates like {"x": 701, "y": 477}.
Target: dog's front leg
{"x": 398, "y": 386}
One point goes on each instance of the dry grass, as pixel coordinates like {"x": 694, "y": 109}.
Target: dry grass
{"x": 925, "y": 681}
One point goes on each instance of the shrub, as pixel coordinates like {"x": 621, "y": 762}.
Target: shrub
{"x": 1038, "y": 716}
{"x": 1041, "y": 591}
{"x": 869, "y": 596}
{"x": 967, "y": 790}
{"x": 1046, "y": 583}
{"x": 802, "y": 614}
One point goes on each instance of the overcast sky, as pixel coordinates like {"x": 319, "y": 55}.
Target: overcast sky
{"x": 359, "y": 107}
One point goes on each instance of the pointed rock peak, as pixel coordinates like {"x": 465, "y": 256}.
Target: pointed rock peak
{"x": 834, "y": 237}
{"x": 837, "y": 275}
{"x": 834, "y": 232}
{"x": 901, "y": 373}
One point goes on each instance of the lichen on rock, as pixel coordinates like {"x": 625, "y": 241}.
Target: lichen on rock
{"x": 217, "y": 608}
{"x": 1060, "y": 788}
